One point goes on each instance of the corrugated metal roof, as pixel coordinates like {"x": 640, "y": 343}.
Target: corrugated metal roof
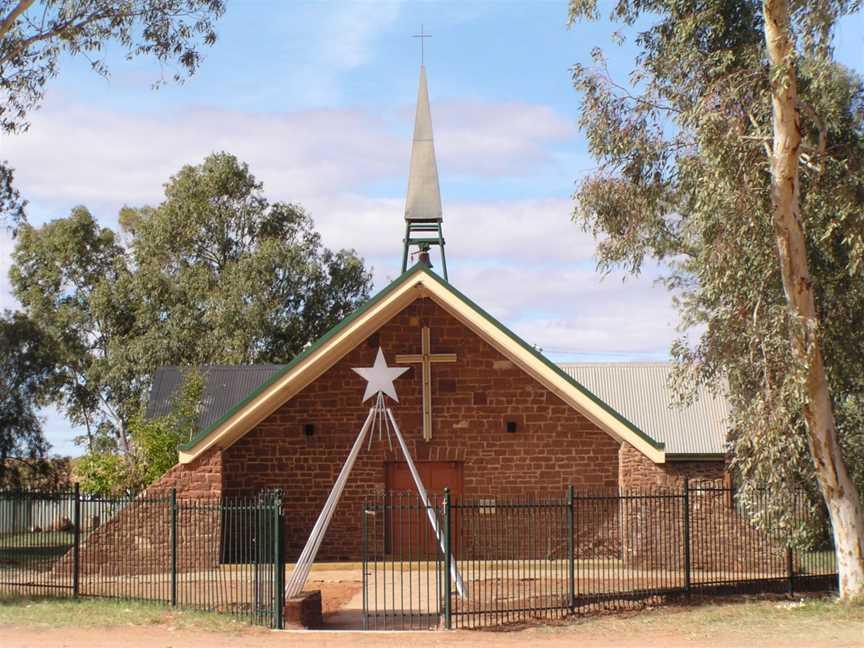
{"x": 224, "y": 387}
{"x": 638, "y": 391}
{"x": 641, "y": 393}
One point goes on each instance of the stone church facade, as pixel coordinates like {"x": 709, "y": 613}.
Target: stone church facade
{"x": 497, "y": 431}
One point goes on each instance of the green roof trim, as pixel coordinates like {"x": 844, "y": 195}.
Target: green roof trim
{"x": 203, "y": 434}
{"x": 698, "y": 456}
{"x": 417, "y": 268}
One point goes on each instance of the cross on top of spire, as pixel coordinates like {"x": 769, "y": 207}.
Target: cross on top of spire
{"x": 421, "y": 36}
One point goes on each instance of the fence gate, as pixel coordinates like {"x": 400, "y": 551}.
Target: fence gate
{"x": 403, "y": 569}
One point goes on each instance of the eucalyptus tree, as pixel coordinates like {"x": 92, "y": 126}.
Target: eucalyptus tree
{"x": 215, "y": 273}
{"x": 35, "y": 35}
{"x": 224, "y": 275}
{"x": 734, "y": 155}
{"x": 72, "y": 276}
{"x": 27, "y": 375}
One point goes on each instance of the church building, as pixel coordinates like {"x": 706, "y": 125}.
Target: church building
{"x": 483, "y": 412}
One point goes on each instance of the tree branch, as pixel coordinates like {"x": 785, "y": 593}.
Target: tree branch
{"x": 13, "y": 16}
{"x": 823, "y": 132}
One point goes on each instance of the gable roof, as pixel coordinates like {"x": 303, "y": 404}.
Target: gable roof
{"x": 416, "y": 282}
{"x": 639, "y": 391}
{"x": 642, "y": 393}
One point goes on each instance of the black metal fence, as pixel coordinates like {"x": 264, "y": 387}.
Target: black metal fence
{"x": 220, "y": 554}
{"x": 504, "y": 560}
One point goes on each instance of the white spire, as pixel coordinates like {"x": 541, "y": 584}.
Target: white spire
{"x": 424, "y": 197}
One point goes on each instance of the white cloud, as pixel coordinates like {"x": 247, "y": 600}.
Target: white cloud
{"x": 74, "y": 154}
{"x": 348, "y": 35}
{"x": 497, "y": 139}
{"x": 522, "y": 259}
{"x": 568, "y": 308}
{"x": 514, "y": 231}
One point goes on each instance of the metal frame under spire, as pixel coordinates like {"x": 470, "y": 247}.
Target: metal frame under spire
{"x": 424, "y": 234}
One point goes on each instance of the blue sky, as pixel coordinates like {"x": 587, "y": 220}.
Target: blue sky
{"x": 318, "y": 98}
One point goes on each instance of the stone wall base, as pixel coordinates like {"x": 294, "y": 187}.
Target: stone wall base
{"x": 304, "y": 611}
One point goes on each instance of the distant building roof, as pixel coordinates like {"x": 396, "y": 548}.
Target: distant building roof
{"x": 224, "y": 387}
{"x": 641, "y": 392}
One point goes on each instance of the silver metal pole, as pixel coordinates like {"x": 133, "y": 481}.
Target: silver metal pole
{"x": 307, "y": 557}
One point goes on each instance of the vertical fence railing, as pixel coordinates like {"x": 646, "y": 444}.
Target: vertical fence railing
{"x": 278, "y": 562}
{"x": 520, "y": 558}
{"x": 448, "y": 563}
{"x": 190, "y": 553}
{"x": 686, "y": 535}
{"x": 173, "y": 532}
{"x": 531, "y": 558}
{"x": 571, "y": 548}
{"x": 76, "y": 541}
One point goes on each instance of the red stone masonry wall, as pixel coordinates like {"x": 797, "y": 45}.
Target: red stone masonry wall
{"x": 201, "y": 478}
{"x": 471, "y": 401}
{"x": 636, "y": 471}
{"x": 721, "y": 539}
{"x": 136, "y": 540}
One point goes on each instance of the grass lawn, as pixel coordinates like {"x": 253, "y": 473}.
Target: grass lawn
{"x": 34, "y": 550}
{"x": 102, "y": 613}
{"x": 739, "y": 617}
{"x": 41, "y": 539}
{"x": 757, "y": 619}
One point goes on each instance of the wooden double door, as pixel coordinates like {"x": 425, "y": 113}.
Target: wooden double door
{"x": 409, "y": 534}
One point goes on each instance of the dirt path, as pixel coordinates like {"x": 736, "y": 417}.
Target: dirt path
{"x": 591, "y": 635}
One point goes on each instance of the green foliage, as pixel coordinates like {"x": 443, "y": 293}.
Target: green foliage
{"x": 214, "y": 274}
{"x": 34, "y": 36}
{"x": 156, "y": 440}
{"x": 684, "y": 180}
{"x": 72, "y": 277}
{"x": 106, "y": 473}
{"x": 42, "y": 474}
{"x": 11, "y": 203}
{"x": 27, "y": 376}
{"x": 230, "y": 277}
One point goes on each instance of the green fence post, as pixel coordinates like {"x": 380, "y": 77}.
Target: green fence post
{"x": 687, "y": 536}
{"x": 278, "y": 563}
{"x": 76, "y": 539}
{"x": 258, "y": 551}
{"x": 173, "y": 546}
{"x": 447, "y": 562}
{"x": 571, "y": 549}
{"x": 365, "y": 576}
{"x": 790, "y": 569}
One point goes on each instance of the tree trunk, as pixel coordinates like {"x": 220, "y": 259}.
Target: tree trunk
{"x": 841, "y": 496}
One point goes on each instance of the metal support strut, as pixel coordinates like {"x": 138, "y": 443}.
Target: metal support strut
{"x": 423, "y": 234}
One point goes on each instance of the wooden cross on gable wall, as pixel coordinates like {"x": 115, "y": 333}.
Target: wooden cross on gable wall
{"x": 426, "y": 358}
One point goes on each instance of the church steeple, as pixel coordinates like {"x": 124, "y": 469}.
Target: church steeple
{"x": 424, "y": 195}
{"x": 423, "y": 214}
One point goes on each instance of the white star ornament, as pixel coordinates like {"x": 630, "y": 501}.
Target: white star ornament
{"x": 379, "y": 377}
